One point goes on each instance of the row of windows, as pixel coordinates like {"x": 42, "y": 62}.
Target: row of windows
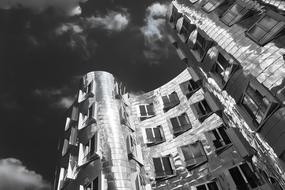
{"x": 269, "y": 26}
{"x": 242, "y": 175}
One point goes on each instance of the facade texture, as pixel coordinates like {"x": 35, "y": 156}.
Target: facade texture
{"x": 218, "y": 125}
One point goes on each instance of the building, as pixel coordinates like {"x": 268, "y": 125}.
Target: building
{"x": 219, "y": 125}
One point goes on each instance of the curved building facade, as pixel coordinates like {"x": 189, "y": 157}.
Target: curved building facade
{"x": 218, "y": 125}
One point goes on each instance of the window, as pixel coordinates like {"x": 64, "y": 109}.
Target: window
{"x": 201, "y": 109}
{"x": 186, "y": 29}
{"x": 266, "y": 28}
{"x": 189, "y": 87}
{"x": 89, "y": 88}
{"x": 91, "y": 111}
{"x": 170, "y": 101}
{"x": 175, "y": 15}
{"x": 220, "y": 138}
{"x": 180, "y": 124}
{"x": 94, "y": 185}
{"x": 223, "y": 68}
{"x": 91, "y": 146}
{"x": 244, "y": 177}
{"x": 193, "y": 155}
{"x": 255, "y": 104}
{"x": 146, "y": 111}
{"x": 131, "y": 145}
{"x": 208, "y": 186}
{"x": 234, "y": 14}
{"x": 201, "y": 46}
{"x": 163, "y": 167}
{"x": 210, "y": 5}
{"x": 154, "y": 135}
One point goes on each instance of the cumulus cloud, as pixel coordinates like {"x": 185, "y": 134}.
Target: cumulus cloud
{"x": 64, "y": 102}
{"x": 69, "y": 7}
{"x": 154, "y": 32}
{"x": 15, "y": 176}
{"x": 112, "y": 21}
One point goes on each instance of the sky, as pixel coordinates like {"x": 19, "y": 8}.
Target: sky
{"x": 45, "y": 46}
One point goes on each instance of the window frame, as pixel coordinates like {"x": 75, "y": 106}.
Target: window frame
{"x": 248, "y": 113}
{"x": 244, "y": 176}
{"x": 171, "y": 166}
{"x": 148, "y": 114}
{"x": 183, "y": 128}
{"x": 269, "y": 34}
{"x": 168, "y": 103}
{"x": 215, "y": 4}
{"x": 190, "y": 83}
{"x": 191, "y": 166}
{"x": 85, "y": 187}
{"x": 222, "y": 140}
{"x": 240, "y": 16}
{"x": 156, "y": 141}
{"x": 206, "y": 184}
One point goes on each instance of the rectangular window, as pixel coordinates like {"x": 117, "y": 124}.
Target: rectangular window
{"x": 210, "y": 5}
{"x": 180, "y": 124}
{"x": 89, "y": 88}
{"x": 175, "y": 15}
{"x": 244, "y": 177}
{"x": 234, "y": 14}
{"x": 146, "y": 111}
{"x": 163, "y": 167}
{"x": 194, "y": 155}
{"x": 266, "y": 28}
{"x": 220, "y": 138}
{"x": 131, "y": 144}
{"x": 91, "y": 111}
{"x": 154, "y": 135}
{"x": 91, "y": 146}
{"x": 94, "y": 185}
{"x": 255, "y": 104}
{"x": 200, "y": 44}
{"x": 189, "y": 87}
{"x": 223, "y": 68}
{"x": 170, "y": 101}
{"x": 186, "y": 29}
{"x": 208, "y": 186}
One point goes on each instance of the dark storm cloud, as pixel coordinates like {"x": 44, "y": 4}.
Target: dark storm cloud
{"x": 15, "y": 176}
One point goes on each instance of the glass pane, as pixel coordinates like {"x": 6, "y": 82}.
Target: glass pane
{"x": 149, "y": 135}
{"x": 158, "y": 167}
{"x": 208, "y": 6}
{"x": 167, "y": 165}
{"x": 228, "y": 18}
{"x": 142, "y": 110}
{"x": 186, "y": 150}
{"x": 197, "y": 150}
{"x": 238, "y": 179}
{"x": 157, "y": 134}
{"x": 95, "y": 184}
{"x": 201, "y": 187}
{"x": 217, "y": 142}
{"x": 213, "y": 186}
{"x": 252, "y": 108}
{"x": 165, "y": 100}
{"x": 175, "y": 124}
{"x": 174, "y": 98}
{"x": 183, "y": 119}
{"x": 236, "y": 9}
{"x": 150, "y": 110}
{"x": 192, "y": 85}
{"x": 250, "y": 176}
{"x": 224, "y": 135}
{"x": 267, "y": 23}
{"x": 257, "y": 33}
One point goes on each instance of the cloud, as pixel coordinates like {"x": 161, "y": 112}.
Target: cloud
{"x": 64, "y": 102}
{"x": 68, "y": 27}
{"x": 112, "y": 21}
{"x": 154, "y": 32}
{"x": 58, "y": 98}
{"x": 69, "y": 7}
{"x": 15, "y": 176}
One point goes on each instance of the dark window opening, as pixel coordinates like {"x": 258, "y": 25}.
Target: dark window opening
{"x": 194, "y": 155}
{"x": 223, "y": 68}
{"x": 204, "y": 107}
{"x": 94, "y": 185}
{"x": 208, "y": 186}
{"x": 234, "y": 14}
{"x": 163, "y": 167}
{"x": 220, "y": 138}
{"x": 154, "y": 135}
{"x": 255, "y": 104}
{"x": 266, "y": 28}
{"x": 146, "y": 111}
{"x": 170, "y": 101}
{"x": 189, "y": 88}
{"x": 180, "y": 124}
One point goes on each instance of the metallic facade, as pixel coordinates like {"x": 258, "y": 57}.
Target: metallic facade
{"x": 218, "y": 125}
